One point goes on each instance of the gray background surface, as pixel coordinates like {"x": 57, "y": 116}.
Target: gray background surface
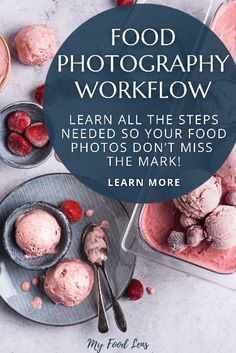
{"x": 186, "y": 315}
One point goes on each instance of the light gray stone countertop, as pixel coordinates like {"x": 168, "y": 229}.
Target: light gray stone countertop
{"x": 186, "y": 315}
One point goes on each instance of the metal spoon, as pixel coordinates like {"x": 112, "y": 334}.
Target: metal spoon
{"x": 102, "y": 318}
{"x": 102, "y": 257}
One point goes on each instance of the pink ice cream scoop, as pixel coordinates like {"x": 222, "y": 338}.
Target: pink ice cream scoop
{"x": 201, "y": 201}
{"x": 36, "y": 44}
{"x": 93, "y": 244}
{"x": 69, "y": 283}
{"x": 220, "y": 227}
{"x": 227, "y": 172}
{"x": 187, "y": 222}
{"x": 195, "y": 234}
{"x": 230, "y": 198}
{"x": 224, "y": 26}
{"x": 37, "y": 233}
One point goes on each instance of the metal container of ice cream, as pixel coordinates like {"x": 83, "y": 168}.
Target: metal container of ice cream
{"x": 204, "y": 261}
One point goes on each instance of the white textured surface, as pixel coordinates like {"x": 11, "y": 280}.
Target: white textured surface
{"x": 186, "y": 315}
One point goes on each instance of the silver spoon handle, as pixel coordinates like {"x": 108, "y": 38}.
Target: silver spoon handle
{"x": 102, "y": 319}
{"x": 117, "y": 311}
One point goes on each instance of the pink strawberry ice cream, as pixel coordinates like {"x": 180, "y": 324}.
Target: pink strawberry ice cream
{"x": 160, "y": 219}
{"x": 206, "y": 216}
{"x": 37, "y": 233}
{"x": 195, "y": 235}
{"x": 69, "y": 283}
{"x": 220, "y": 227}
{"x": 93, "y": 244}
{"x": 228, "y": 171}
{"x": 210, "y": 240}
{"x": 224, "y": 26}
{"x": 36, "y": 44}
{"x": 201, "y": 201}
{"x": 230, "y": 198}
{"x": 187, "y": 221}
{"x": 4, "y": 60}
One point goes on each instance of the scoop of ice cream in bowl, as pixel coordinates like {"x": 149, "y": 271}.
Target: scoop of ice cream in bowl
{"x": 220, "y": 227}
{"x": 36, "y": 235}
{"x": 201, "y": 201}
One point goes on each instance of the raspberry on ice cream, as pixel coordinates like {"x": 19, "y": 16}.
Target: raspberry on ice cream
{"x": 72, "y": 210}
{"x": 201, "y": 201}
{"x": 37, "y": 134}
{"x": 18, "y": 145}
{"x": 177, "y": 241}
{"x": 36, "y": 44}
{"x": 134, "y": 290}
{"x": 195, "y": 234}
{"x": 37, "y": 233}
{"x": 220, "y": 227}
{"x": 38, "y": 94}
{"x": 18, "y": 121}
{"x": 69, "y": 283}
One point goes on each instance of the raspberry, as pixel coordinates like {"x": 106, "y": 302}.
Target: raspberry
{"x": 135, "y": 290}
{"x": 195, "y": 235}
{"x": 18, "y": 121}
{"x": 38, "y": 94}
{"x": 18, "y": 145}
{"x": 72, "y": 210}
{"x": 37, "y": 134}
{"x": 125, "y": 2}
{"x": 176, "y": 241}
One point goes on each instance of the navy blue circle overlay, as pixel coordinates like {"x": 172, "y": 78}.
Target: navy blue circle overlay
{"x": 140, "y": 103}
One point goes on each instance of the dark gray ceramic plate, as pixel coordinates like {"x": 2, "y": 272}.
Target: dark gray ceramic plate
{"x": 38, "y": 155}
{"x": 55, "y": 188}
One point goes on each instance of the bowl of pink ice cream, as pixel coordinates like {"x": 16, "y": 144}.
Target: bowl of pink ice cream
{"x": 36, "y": 235}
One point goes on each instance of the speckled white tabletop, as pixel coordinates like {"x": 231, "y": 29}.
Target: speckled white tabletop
{"x": 186, "y": 315}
